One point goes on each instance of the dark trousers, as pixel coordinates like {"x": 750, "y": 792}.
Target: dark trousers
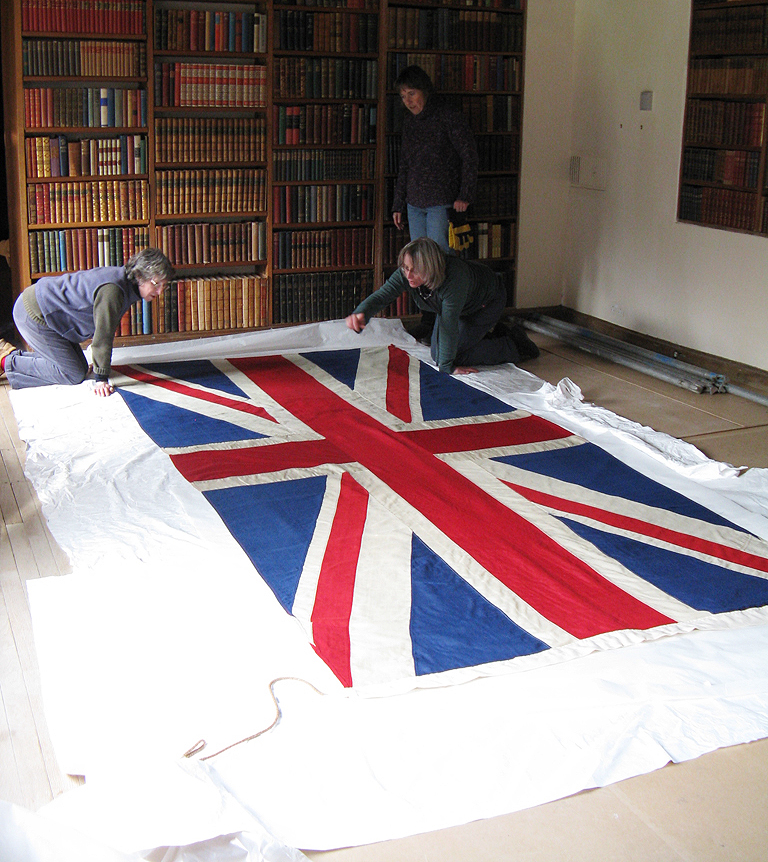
{"x": 474, "y": 348}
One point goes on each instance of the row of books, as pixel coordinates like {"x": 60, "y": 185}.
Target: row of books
{"x": 721, "y": 207}
{"x": 309, "y": 165}
{"x": 509, "y": 5}
{"x": 728, "y": 75}
{"x": 349, "y": 32}
{"x": 210, "y": 139}
{"x": 219, "y": 190}
{"x": 311, "y": 249}
{"x": 392, "y": 241}
{"x": 87, "y": 201}
{"x": 453, "y": 30}
{"x": 85, "y": 107}
{"x": 318, "y": 295}
{"x": 325, "y": 78}
{"x": 210, "y": 30}
{"x": 316, "y": 203}
{"x": 498, "y": 152}
{"x": 325, "y": 4}
{"x": 727, "y": 167}
{"x": 492, "y": 112}
{"x": 207, "y": 304}
{"x": 220, "y": 85}
{"x": 496, "y": 196}
{"x": 740, "y": 28}
{"x": 462, "y": 72}
{"x": 70, "y": 57}
{"x": 403, "y": 306}
{"x": 61, "y": 157}
{"x": 83, "y": 16}
{"x": 324, "y": 124}
{"x": 494, "y": 239}
{"x": 714, "y": 121}
{"x": 83, "y": 248}
{"x": 213, "y": 242}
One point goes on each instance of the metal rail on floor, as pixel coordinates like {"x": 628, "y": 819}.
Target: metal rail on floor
{"x": 641, "y": 359}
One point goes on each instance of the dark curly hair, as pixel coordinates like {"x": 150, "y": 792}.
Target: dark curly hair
{"x": 414, "y": 78}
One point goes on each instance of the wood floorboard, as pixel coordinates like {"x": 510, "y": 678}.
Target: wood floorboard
{"x": 16, "y": 667}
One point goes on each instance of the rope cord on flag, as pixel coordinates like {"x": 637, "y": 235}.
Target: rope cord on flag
{"x": 201, "y": 743}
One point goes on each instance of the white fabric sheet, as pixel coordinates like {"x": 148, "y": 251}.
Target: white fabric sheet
{"x": 162, "y": 636}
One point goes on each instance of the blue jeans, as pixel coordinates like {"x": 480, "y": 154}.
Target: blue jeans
{"x": 53, "y": 360}
{"x": 431, "y": 222}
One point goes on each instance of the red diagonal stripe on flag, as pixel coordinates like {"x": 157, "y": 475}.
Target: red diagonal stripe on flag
{"x": 486, "y": 435}
{"x": 635, "y": 525}
{"x": 199, "y": 466}
{"x": 398, "y": 385}
{"x": 336, "y": 585}
{"x": 192, "y": 392}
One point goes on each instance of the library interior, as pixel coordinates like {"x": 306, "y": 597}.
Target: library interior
{"x": 514, "y": 613}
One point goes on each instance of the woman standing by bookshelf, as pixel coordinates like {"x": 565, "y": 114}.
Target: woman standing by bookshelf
{"x": 468, "y": 300}
{"x": 438, "y": 160}
{"x": 57, "y": 313}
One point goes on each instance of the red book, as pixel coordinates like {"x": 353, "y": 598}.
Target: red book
{"x": 176, "y": 73}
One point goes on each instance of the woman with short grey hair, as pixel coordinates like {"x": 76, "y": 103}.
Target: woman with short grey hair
{"x": 468, "y": 300}
{"x": 58, "y": 313}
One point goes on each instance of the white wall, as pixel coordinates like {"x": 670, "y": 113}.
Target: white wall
{"x": 624, "y": 258}
{"x": 542, "y": 225}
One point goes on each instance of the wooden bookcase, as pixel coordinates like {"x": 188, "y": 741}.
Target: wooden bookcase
{"x": 255, "y": 142}
{"x": 474, "y": 55}
{"x": 723, "y": 165}
{"x": 209, "y": 167}
{"x": 325, "y": 66}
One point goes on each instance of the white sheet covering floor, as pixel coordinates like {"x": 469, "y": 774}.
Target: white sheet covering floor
{"x": 161, "y": 636}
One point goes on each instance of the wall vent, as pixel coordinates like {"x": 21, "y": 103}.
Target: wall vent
{"x": 587, "y": 173}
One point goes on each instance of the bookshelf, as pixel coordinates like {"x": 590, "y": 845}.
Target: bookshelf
{"x": 324, "y": 137}
{"x": 254, "y": 141}
{"x": 209, "y": 98}
{"x": 85, "y": 146}
{"x": 723, "y": 164}
{"x": 474, "y": 55}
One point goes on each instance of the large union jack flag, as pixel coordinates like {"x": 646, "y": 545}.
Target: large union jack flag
{"x": 418, "y": 527}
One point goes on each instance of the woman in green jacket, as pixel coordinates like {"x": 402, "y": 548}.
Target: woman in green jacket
{"x": 468, "y": 299}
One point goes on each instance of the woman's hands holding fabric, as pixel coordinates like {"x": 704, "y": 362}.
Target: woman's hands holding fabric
{"x": 356, "y": 322}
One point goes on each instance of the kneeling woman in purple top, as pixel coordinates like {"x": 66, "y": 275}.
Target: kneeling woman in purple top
{"x": 57, "y": 313}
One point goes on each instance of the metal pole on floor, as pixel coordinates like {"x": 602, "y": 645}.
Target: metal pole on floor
{"x": 640, "y": 359}
{"x": 646, "y": 361}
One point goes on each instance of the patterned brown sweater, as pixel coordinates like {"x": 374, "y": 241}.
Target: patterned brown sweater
{"x": 438, "y": 158}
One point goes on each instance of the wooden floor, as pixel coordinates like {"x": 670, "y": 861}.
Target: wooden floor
{"x": 29, "y": 773}
{"x": 714, "y": 808}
